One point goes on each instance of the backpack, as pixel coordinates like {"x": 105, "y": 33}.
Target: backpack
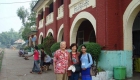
{"x": 93, "y": 69}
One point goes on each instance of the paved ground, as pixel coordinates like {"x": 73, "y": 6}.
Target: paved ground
{"x": 16, "y": 68}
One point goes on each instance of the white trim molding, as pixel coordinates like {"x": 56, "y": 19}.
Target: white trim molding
{"x": 128, "y": 20}
{"x": 79, "y": 5}
{"x": 39, "y": 39}
{"x": 50, "y": 18}
{"x": 76, "y": 23}
{"x": 54, "y": 0}
{"x": 60, "y": 33}
{"x": 41, "y": 24}
{"x": 49, "y": 31}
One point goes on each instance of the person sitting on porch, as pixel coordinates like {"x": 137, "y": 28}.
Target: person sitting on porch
{"x": 21, "y": 52}
{"x": 47, "y": 62}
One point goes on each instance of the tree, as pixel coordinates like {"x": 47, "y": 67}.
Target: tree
{"x": 28, "y": 20}
{"x": 26, "y": 32}
{"x": 22, "y": 13}
{"x": 8, "y": 38}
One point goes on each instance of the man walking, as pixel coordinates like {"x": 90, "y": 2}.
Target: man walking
{"x": 61, "y": 62}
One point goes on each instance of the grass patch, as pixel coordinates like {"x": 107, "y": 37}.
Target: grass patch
{"x": 1, "y": 57}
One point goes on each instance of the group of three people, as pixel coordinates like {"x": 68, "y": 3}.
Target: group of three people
{"x": 63, "y": 60}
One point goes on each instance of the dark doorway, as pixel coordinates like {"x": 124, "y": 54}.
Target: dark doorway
{"x": 85, "y": 33}
{"x": 136, "y": 45}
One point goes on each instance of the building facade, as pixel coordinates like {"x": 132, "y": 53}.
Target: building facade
{"x": 111, "y": 23}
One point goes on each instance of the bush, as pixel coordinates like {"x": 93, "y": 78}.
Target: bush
{"x": 40, "y": 46}
{"x": 47, "y": 43}
{"x": 55, "y": 47}
{"x": 94, "y": 49}
{"x": 27, "y": 49}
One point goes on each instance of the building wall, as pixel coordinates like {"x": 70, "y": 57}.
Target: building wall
{"x": 108, "y": 14}
{"x": 109, "y": 31}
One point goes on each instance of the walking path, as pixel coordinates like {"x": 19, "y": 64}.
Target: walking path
{"x": 16, "y": 68}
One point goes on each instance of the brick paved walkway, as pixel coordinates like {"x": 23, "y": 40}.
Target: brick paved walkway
{"x": 16, "y": 68}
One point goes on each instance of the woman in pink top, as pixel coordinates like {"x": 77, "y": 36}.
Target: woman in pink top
{"x": 36, "y": 67}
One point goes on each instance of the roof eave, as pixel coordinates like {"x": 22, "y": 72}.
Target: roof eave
{"x": 39, "y": 2}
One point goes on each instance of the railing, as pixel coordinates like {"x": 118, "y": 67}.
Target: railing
{"x": 79, "y": 5}
{"x": 49, "y": 18}
{"x": 40, "y": 23}
{"x": 74, "y": 1}
{"x": 60, "y": 12}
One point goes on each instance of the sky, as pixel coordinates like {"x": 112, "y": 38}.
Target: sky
{"x": 8, "y": 16}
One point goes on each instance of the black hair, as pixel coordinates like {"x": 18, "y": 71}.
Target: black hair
{"x": 36, "y": 47}
{"x": 83, "y": 46}
{"x": 42, "y": 48}
{"x": 74, "y": 44}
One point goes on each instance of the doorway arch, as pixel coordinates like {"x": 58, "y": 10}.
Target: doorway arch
{"x": 128, "y": 20}
{"x": 60, "y": 33}
{"x": 76, "y": 23}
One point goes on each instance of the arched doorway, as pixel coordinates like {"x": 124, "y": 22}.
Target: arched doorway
{"x": 82, "y": 29}
{"x": 40, "y": 40}
{"x": 60, "y": 34}
{"x": 85, "y": 33}
{"x": 50, "y": 32}
{"x": 131, "y": 31}
{"x": 136, "y": 44}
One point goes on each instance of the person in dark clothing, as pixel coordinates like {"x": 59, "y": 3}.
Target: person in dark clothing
{"x": 43, "y": 54}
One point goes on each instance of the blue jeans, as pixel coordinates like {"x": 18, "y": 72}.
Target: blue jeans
{"x": 74, "y": 76}
{"x": 36, "y": 67}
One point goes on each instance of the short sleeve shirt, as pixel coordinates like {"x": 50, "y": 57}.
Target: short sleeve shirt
{"x": 61, "y": 61}
{"x": 36, "y": 55}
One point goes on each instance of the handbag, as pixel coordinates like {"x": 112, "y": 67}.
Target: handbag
{"x": 93, "y": 69}
{"x": 77, "y": 66}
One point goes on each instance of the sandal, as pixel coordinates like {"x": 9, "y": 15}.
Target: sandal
{"x": 31, "y": 72}
{"x": 39, "y": 72}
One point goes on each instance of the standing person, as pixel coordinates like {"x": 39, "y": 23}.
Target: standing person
{"x": 43, "y": 54}
{"x": 60, "y": 62}
{"x": 74, "y": 60}
{"x": 36, "y": 67}
{"x": 86, "y": 62}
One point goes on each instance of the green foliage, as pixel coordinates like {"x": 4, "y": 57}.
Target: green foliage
{"x": 1, "y": 57}
{"x": 22, "y": 13}
{"x": 8, "y": 38}
{"x": 26, "y": 33}
{"x": 27, "y": 48}
{"x": 55, "y": 47}
{"x": 47, "y": 43}
{"x": 94, "y": 49}
{"x": 28, "y": 20}
{"x": 100, "y": 69}
{"x": 40, "y": 46}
